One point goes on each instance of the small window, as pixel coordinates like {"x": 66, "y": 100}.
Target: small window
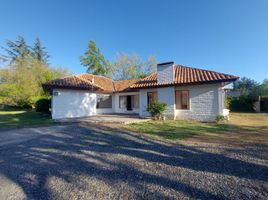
{"x": 182, "y": 99}
{"x": 104, "y": 101}
{"x": 151, "y": 97}
{"x": 122, "y": 101}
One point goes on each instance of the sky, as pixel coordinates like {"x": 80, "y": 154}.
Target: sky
{"x": 228, "y": 36}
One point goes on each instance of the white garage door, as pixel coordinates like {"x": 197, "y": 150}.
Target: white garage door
{"x": 72, "y": 103}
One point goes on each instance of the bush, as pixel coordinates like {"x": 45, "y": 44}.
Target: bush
{"x": 43, "y": 105}
{"x": 228, "y": 103}
{"x": 156, "y": 109}
{"x": 242, "y": 104}
{"x": 221, "y": 119}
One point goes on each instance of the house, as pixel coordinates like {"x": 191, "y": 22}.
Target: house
{"x": 189, "y": 93}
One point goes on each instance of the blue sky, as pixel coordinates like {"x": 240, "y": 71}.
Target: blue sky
{"x": 229, "y": 36}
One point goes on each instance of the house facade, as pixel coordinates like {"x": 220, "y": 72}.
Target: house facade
{"x": 189, "y": 93}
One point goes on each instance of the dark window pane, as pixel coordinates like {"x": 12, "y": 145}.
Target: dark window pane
{"x": 104, "y": 101}
{"x": 151, "y": 97}
{"x": 182, "y": 99}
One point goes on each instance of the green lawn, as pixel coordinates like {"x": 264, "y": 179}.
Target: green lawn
{"x": 178, "y": 129}
{"x": 23, "y": 118}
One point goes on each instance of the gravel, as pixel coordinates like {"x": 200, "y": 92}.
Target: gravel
{"x": 89, "y": 162}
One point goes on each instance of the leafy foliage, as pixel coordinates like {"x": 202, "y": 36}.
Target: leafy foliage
{"x": 21, "y": 79}
{"x": 156, "y": 109}
{"x": 43, "y": 105}
{"x": 242, "y": 104}
{"x": 132, "y": 67}
{"x": 221, "y": 119}
{"x": 247, "y": 87}
{"x": 94, "y": 60}
{"x": 250, "y": 90}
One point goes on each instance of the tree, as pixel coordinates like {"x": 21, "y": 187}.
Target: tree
{"x": 39, "y": 53}
{"x": 247, "y": 87}
{"x": 16, "y": 50}
{"x": 264, "y": 87}
{"x": 22, "y": 78}
{"x": 132, "y": 67}
{"x": 94, "y": 60}
{"x": 21, "y": 81}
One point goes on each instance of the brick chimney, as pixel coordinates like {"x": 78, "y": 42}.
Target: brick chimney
{"x": 165, "y": 72}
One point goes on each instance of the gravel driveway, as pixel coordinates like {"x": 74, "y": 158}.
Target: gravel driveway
{"x": 82, "y": 162}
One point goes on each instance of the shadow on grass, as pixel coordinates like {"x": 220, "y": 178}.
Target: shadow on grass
{"x": 24, "y": 118}
{"x": 91, "y": 151}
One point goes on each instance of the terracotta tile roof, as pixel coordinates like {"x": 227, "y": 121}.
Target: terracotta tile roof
{"x": 186, "y": 75}
{"x": 73, "y": 82}
{"x": 87, "y": 81}
{"x": 183, "y": 75}
{"x": 102, "y": 81}
{"x": 124, "y": 85}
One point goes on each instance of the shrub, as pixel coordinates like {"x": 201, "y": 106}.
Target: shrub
{"x": 43, "y": 105}
{"x": 228, "y": 102}
{"x": 242, "y": 104}
{"x": 221, "y": 119}
{"x": 156, "y": 109}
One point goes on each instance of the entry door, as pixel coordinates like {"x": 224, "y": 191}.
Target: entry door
{"x": 129, "y": 103}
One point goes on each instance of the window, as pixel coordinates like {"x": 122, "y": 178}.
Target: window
{"x": 182, "y": 99}
{"x": 104, "y": 101}
{"x": 135, "y": 101}
{"x": 122, "y": 101}
{"x": 129, "y": 101}
{"x": 151, "y": 97}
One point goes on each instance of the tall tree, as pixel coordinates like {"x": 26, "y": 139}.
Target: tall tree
{"x": 39, "y": 53}
{"x": 94, "y": 60}
{"x": 132, "y": 66}
{"x": 247, "y": 86}
{"x": 16, "y": 50}
{"x": 21, "y": 81}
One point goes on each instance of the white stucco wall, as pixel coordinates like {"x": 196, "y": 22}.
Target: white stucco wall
{"x": 205, "y": 103}
{"x": 167, "y": 95}
{"x": 73, "y": 103}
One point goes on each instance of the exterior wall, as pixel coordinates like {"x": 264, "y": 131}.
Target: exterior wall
{"x": 165, "y": 73}
{"x": 167, "y": 95}
{"x": 124, "y": 110}
{"x": 73, "y": 103}
{"x": 143, "y": 101}
{"x": 205, "y": 103}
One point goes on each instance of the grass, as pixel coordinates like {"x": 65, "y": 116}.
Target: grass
{"x": 242, "y": 128}
{"x": 177, "y": 129}
{"x": 23, "y": 118}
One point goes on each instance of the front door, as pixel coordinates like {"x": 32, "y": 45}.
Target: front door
{"x": 129, "y": 103}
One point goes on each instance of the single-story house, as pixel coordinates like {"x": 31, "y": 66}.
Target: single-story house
{"x": 189, "y": 93}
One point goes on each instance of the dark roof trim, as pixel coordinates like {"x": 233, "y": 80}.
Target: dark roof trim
{"x": 166, "y": 63}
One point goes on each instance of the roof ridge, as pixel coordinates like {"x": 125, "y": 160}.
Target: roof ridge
{"x": 88, "y": 81}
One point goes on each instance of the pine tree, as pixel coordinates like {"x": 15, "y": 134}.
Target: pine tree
{"x": 39, "y": 53}
{"x": 94, "y": 61}
{"x": 16, "y": 50}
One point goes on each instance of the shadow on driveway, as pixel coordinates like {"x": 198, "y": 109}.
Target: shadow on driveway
{"x": 95, "y": 162}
